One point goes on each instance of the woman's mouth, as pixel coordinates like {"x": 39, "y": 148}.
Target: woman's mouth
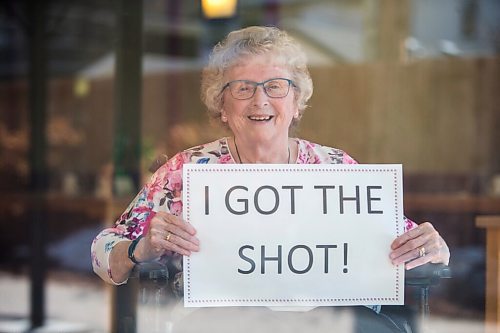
{"x": 260, "y": 118}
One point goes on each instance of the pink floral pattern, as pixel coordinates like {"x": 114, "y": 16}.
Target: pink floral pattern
{"x": 164, "y": 193}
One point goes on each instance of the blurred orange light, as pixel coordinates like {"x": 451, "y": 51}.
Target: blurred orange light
{"x": 213, "y": 9}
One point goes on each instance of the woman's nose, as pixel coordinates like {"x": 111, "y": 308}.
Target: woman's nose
{"x": 260, "y": 97}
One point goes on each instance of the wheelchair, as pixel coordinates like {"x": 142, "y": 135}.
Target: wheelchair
{"x": 149, "y": 285}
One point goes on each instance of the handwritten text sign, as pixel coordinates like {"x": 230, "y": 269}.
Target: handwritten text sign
{"x": 293, "y": 235}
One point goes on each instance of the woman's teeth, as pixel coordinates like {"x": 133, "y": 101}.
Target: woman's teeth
{"x": 260, "y": 118}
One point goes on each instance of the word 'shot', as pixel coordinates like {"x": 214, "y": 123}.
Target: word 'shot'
{"x": 246, "y": 253}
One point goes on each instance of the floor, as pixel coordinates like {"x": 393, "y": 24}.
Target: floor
{"x": 76, "y": 303}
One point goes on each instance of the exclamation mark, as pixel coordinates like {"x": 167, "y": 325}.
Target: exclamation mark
{"x": 345, "y": 258}
{"x": 207, "y": 210}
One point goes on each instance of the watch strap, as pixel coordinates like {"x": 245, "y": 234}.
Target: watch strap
{"x": 131, "y": 249}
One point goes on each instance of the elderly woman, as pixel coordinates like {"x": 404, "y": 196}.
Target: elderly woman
{"x": 257, "y": 85}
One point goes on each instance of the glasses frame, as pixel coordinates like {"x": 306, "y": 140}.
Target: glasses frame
{"x": 256, "y": 84}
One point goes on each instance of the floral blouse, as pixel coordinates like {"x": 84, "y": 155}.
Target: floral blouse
{"x": 164, "y": 193}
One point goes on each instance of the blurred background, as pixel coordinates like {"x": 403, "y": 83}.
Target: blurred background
{"x": 93, "y": 92}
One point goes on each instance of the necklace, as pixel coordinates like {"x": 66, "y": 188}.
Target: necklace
{"x": 239, "y": 157}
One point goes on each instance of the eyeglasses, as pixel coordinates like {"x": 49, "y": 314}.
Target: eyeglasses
{"x": 274, "y": 88}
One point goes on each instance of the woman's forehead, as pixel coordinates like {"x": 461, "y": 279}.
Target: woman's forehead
{"x": 257, "y": 66}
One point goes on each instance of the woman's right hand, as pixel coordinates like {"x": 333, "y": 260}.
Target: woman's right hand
{"x": 167, "y": 232}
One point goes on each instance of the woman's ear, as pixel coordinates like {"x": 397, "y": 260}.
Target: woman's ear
{"x": 223, "y": 116}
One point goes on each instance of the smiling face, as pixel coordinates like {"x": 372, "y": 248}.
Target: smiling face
{"x": 259, "y": 119}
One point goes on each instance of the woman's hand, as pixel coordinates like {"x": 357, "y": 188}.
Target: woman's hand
{"x": 167, "y": 232}
{"x": 418, "y": 246}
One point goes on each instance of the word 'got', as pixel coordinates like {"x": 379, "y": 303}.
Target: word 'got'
{"x": 238, "y": 198}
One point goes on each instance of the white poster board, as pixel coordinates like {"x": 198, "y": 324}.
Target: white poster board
{"x": 293, "y": 235}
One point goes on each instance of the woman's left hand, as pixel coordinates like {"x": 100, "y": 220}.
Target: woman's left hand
{"x": 418, "y": 246}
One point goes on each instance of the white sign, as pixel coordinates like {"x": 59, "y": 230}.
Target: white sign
{"x": 293, "y": 235}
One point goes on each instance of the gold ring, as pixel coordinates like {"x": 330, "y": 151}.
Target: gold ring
{"x": 167, "y": 237}
{"x": 421, "y": 252}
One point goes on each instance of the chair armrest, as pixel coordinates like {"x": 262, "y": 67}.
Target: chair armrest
{"x": 150, "y": 274}
{"x": 427, "y": 275}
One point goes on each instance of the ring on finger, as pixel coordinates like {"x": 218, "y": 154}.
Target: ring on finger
{"x": 167, "y": 237}
{"x": 421, "y": 252}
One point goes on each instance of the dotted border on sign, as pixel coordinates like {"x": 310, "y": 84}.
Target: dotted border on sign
{"x": 187, "y": 269}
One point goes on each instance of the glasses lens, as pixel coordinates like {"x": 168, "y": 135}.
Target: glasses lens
{"x": 277, "y": 88}
{"x": 242, "y": 89}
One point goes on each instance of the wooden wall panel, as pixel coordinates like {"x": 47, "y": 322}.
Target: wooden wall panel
{"x": 437, "y": 116}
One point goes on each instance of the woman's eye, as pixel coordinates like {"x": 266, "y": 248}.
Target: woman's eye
{"x": 274, "y": 85}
